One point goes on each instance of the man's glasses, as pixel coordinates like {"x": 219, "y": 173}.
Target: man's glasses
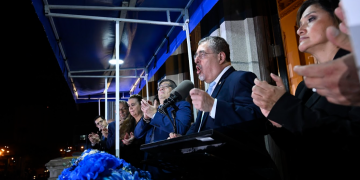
{"x": 163, "y": 86}
{"x": 201, "y": 54}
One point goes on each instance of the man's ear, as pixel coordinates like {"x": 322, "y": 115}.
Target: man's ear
{"x": 222, "y": 57}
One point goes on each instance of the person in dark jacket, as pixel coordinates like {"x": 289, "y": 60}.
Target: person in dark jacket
{"x": 320, "y": 139}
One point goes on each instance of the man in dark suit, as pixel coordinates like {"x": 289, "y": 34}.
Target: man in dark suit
{"x": 105, "y": 141}
{"x": 155, "y": 126}
{"x": 228, "y": 99}
{"x": 227, "y": 105}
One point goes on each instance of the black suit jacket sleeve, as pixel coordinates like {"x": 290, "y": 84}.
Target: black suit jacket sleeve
{"x": 294, "y": 115}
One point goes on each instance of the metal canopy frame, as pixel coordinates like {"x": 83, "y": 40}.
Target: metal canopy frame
{"x": 184, "y": 14}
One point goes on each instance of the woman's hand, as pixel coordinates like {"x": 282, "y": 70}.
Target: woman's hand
{"x": 265, "y": 95}
{"x": 128, "y": 139}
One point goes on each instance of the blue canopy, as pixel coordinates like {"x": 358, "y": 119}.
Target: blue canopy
{"x": 83, "y": 46}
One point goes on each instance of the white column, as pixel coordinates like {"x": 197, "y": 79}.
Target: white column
{"x": 117, "y": 83}
{"x": 106, "y": 105}
{"x": 186, "y": 26}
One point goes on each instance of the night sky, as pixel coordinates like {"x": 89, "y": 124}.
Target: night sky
{"x": 40, "y": 113}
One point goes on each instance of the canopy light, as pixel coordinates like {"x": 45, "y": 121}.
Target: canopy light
{"x": 113, "y": 61}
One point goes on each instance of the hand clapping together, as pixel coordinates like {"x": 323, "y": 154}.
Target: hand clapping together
{"x": 105, "y": 132}
{"x": 94, "y": 138}
{"x": 148, "y": 109}
{"x": 128, "y": 139}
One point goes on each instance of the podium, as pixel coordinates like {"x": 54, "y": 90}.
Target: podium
{"x": 211, "y": 154}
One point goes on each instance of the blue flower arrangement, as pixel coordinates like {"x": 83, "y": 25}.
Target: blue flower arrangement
{"x": 99, "y": 165}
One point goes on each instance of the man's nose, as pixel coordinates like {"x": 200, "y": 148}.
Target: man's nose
{"x": 196, "y": 60}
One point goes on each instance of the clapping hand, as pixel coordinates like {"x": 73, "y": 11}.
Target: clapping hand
{"x": 340, "y": 38}
{"x": 265, "y": 95}
{"x": 94, "y": 138}
{"x": 148, "y": 109}
{"x": 128, "y": 139}
{"x": 173, "y": 135}
{"x": 91, "y": 138}
{"x": 105, "y": 132}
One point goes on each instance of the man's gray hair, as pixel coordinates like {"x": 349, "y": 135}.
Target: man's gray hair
{"x": 217, "y": 44}
{"x": 124, "y": 103}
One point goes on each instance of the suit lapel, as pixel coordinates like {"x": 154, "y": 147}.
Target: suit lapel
{"x": 216, "y": 92}
{"x": 303, "y": 92}
{"x": 221, "y": 82}
{"x": 217, "y": 88}
{"x": 306, "y": 95}
{"x": 312, "y": 100}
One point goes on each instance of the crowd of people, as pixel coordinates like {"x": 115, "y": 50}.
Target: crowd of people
{"x": 317, "y": 128}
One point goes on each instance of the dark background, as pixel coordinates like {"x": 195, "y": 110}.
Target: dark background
{"x": 39, "y": 114}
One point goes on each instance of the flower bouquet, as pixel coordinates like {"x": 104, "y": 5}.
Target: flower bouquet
{"x": 95, "y": 164}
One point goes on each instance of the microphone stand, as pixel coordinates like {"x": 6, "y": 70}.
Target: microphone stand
{"x": 173, "y": 112}
{"x": 170, "y": 102}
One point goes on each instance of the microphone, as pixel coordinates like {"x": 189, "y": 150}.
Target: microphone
{"x": 179, "y": 93}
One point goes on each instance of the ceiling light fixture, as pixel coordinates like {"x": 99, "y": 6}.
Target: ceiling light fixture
{"x": 113, "y": 61}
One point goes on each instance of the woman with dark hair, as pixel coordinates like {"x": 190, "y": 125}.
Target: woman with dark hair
{"x": 130, "y": 146}
{"x": 130, "y": 122}
{"x": 321, "y": 139}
